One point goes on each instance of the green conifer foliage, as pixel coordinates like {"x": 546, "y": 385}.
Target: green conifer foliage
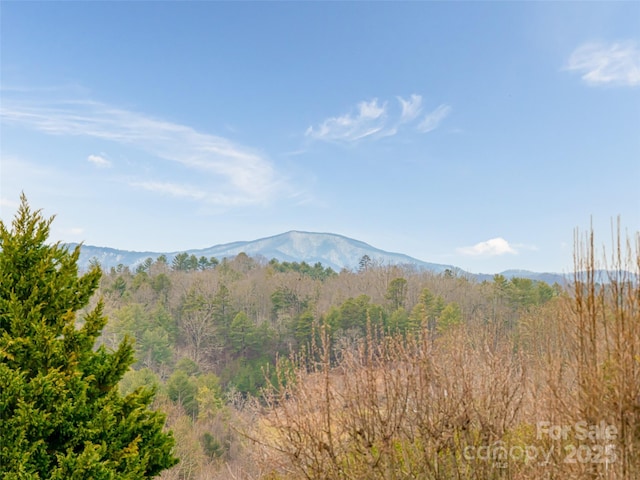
{"x": 61, "y": 413}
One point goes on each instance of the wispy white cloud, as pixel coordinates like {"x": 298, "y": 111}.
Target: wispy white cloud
{"x": 489, "y": 248}
{"x": 616, "y": 64}
{"x": 99, "y": 161}
{"x": 188, "y": 191}
{"x": 239, "y": 174}
{"x": 375, "y": 120}
{"x": 410, "y": 108}
{"x": 368, "y": 120}
{"x": 433, "y": 119}
{"x": 173, "y": 189}
{"x": 294, "y": 153}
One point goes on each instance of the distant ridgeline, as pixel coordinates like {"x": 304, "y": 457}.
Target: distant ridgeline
{"x": 330, "y": 251}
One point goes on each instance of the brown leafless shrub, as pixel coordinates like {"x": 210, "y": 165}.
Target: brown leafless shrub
{"x": 595, "y": 378}
{"x": 479, "y": 401}
{"x": 392, "y": 408}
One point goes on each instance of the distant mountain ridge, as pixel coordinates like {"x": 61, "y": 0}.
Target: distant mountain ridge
{"x": 330, "y": 249}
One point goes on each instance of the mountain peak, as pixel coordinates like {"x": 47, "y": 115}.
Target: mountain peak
{"x": 329, "y": 249}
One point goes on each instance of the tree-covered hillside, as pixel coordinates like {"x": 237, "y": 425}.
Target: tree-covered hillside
{"x": 208, "y": 333}
{"x": 288, "y": 370}
{"x": 285, "y": 370}
{"x": 234, "y": 317}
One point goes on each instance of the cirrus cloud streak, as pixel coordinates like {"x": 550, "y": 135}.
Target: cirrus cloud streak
{"x": 373, "y": 119}
{"x": 616, "y": 64}
{"x": 238, "y": 174}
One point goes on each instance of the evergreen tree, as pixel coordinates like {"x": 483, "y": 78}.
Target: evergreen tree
{"x": 62, "y": 415}
{"x": 397, "y": 293}
{"x": 243, "y": 334}
{"x": 451, "y": 315}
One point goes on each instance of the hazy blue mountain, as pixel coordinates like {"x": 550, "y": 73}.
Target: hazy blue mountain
{"x": 111, "y": 257}
{"x": 547, "y": 277}
{"x": 331, "y": 250}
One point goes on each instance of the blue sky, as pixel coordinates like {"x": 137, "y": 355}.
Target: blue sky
{"x": 475, "y": 134}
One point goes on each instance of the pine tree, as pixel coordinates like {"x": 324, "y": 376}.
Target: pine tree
{"x": 61, "y": 413}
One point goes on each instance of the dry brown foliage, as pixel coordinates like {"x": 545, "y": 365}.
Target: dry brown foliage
{"x": 558, "y": 396}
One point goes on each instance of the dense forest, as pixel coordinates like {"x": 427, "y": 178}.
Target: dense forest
{"x": 240, "y": 368}
{"x": 287, "y": 370}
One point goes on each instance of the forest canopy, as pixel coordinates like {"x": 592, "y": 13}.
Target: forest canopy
{"x": 284, "y": 370}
